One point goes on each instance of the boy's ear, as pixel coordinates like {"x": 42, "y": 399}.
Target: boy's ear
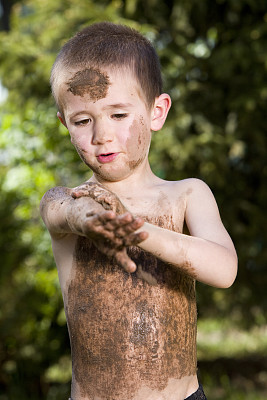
{"x": 160, "y": 111}
{"x": 61, "y": 119}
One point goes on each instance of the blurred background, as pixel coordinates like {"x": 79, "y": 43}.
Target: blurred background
{"x": 214, "y": 61}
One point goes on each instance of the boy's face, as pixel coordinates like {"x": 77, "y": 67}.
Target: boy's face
{"x": 108, "y": 121}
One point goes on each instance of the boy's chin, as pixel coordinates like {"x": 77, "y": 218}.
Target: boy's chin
{"x": 108, "y": 173}
{"x": 112, "y": 172}
{"x": 110, "y": 176}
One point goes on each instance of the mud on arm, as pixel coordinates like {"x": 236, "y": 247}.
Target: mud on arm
{"x": 111, "y": 233}
{"x": 207, "y": 254}
{"x": 60, "y": 213}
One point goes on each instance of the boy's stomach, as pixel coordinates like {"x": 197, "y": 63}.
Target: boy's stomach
{"x": 127, "y": 334}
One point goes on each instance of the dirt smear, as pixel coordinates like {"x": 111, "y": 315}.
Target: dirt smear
{"x": 90, "y": 82}
{"x": 128, "y": 332}
{"x": 138, "y": 143}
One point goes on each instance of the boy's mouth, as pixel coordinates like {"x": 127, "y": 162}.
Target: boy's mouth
{"x": 106, "y": 157}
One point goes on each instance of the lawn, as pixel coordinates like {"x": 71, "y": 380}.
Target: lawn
{"x": 232, "y": 362}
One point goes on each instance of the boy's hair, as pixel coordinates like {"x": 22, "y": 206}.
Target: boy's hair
{"x": 110, "y": 45}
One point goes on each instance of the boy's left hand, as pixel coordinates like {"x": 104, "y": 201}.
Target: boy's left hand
{"x": 101, "y": 195}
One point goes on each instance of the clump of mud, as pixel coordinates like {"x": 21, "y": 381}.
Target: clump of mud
{"x": 90, "y": 82}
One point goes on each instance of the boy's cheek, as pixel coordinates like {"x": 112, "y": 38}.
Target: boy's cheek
{"x": 139, "y": 137}
{"x": 74, "y": 140}
{"x": 81, "y": 146}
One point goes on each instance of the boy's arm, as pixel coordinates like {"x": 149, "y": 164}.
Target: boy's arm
{"x": 208, "y": 254}
{"x": 105, "y": 221}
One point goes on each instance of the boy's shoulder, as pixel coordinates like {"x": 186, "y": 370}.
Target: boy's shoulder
{"x": 55, "y": 193}
{"x": 184, "y": 186}
{"x": 186, "y": 194}
{"x": 193, "y": 193}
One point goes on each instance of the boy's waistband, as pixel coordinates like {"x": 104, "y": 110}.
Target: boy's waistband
{"x": 198, "y": 395}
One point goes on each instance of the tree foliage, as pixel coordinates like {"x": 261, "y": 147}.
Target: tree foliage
{"x": 213, "y": 56}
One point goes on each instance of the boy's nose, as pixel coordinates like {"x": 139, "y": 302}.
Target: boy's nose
{"x": 102, "y": 134}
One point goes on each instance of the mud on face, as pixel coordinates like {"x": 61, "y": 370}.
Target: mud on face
{"x": 138, "y": 143}
{"x": 90, "y": 82}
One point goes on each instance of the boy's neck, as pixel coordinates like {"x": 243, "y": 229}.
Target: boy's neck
{"x": 138, "y": 182}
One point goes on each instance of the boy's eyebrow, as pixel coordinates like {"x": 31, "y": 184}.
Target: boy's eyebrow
{"x": 118, "y": 105}
{"x": 75, "y": 114}
{"x": 108, "y": 107}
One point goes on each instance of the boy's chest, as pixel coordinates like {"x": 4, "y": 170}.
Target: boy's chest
{"x": 162, "y": 209}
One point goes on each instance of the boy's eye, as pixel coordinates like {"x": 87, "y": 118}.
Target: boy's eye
{"x": 119, "y": 116}
{"x": 82, "y": 122}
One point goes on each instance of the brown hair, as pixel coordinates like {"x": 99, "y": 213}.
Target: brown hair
{"x": 110, "y": 45}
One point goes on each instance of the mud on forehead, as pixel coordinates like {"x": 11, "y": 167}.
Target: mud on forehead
{"x": 89, "y": 81}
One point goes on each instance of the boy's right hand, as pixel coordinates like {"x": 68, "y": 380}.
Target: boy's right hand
{"x": 112, "y": 234}
{"x": 111, "y": 231}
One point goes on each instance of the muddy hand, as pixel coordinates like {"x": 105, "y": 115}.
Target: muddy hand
{"x": 101, "y": 195}
{"x": 112, "y": 234}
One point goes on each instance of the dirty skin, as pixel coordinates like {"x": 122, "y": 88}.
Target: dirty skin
{"x": 127, "y": 332}
{"x": 90, "y": 82}
{"x": 101, "y": 195}
{"x": 134, "y": 147}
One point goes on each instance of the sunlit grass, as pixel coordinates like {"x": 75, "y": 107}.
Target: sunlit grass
{"x": 228, "y": 390}
{"x": 217, "y": 338}
{"x": 232, "y": 361}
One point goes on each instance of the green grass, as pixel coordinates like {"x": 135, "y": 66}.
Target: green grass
{"x": 232, "y": 362}
{"x": 226, "y": 389}
{"x": 220, "y": 339}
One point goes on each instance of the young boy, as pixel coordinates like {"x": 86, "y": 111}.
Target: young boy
{"x": 126, "y": 269}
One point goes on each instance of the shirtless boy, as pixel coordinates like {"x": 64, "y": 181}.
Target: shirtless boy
{"x": 126, "y": 269}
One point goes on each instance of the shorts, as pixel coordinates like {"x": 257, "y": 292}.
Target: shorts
{"x": 198, "y": 395}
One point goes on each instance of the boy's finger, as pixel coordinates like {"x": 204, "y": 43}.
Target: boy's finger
{"x": 98, "y": 233}
{"x": 129, "y": 227}
{"x": 89, "y": 189}
{"x": 80, "y": 191}
{"x": 115, "y": 223}
{"x": 135, "y": 238}
{"x": 125, "y": 218}
{"x": 125, "y": 262}
{"x": 103, "y": 218}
